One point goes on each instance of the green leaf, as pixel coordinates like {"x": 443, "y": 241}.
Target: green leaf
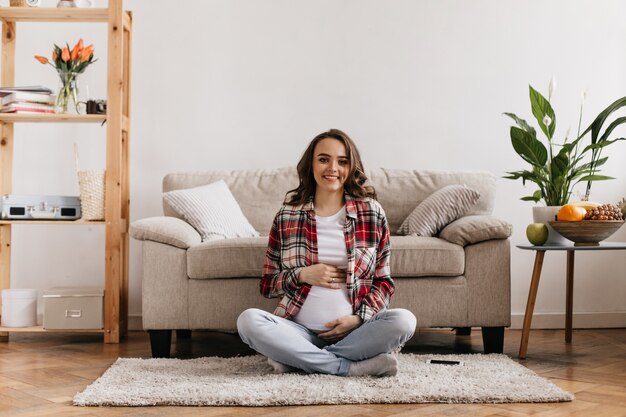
{"x": 522, "y": 124}
{"x": 514, "y": 175}
{"x": 559, "y": 165}
{"x": 531, "y": 198}
{"x": 541, "y": 108}
{"x": 611, "y": 127}
{"x": 596, "y": 178}
{"x": 524, "y": 175}
{"x": 598, "y": 163}
{"x": 528, "y": 147}
{"x": 596, "y": 125}
{"x": 600, "y": 145}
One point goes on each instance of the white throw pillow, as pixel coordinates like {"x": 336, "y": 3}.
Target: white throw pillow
{"x": 438, "y": 209}
{"x": 212, "y": 210}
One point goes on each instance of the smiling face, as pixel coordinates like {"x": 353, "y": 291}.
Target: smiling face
{"x": 331, "y": 165}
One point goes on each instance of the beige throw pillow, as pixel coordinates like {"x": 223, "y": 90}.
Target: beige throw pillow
{"x": 168, "y": 230}
{"x": 438, "y": 209}
{"x": 212, "y": 210}
{"x": 473, "y": 229}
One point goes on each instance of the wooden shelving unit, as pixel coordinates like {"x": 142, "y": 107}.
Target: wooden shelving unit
{"x": 40, "y": 329}
{"x": 50, "y": 14}
{"x": 56, "y": 222}
{"x": 52, "y": 118}
{"x": 117, "y": 153}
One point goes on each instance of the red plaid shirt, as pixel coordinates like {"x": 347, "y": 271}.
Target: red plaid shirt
{"x": 293, "y": 245}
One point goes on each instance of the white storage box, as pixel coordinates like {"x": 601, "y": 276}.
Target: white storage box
{"x": 73, "y": 308}
{"x": 19, "y": 307}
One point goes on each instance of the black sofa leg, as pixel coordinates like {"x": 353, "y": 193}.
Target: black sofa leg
{"x": 463, "y": 331}
{"x": 183, "y": 334}
{"x": 160, "y": 341}
{"x": 493, "y": 339}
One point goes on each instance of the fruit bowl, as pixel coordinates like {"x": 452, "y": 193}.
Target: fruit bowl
{"x": 586, "y": 232}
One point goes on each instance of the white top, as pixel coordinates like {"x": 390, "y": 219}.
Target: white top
{"x": 327, "y": 304}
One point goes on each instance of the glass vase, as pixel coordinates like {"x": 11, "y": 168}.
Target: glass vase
{"x": 72, "y": 93}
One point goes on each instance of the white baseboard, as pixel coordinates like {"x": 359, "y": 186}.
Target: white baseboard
{"x": 540, "y": 321}
{"x": 580, "y": 320}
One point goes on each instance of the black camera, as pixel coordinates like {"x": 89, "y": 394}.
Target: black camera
{"x": 96, "y": 106}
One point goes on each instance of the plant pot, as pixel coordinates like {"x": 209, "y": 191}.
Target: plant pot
{"x": 544, "y": 215}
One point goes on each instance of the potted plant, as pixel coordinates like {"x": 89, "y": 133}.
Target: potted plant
{"x": 558, "y": 167}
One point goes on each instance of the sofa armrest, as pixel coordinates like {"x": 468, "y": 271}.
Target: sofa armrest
{"x": 168, "y": 230}
{"x": 164, "y": 287}
{"x": 488, "y": 277}
{"x": 473, "y": 229}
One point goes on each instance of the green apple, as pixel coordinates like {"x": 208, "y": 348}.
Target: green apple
{"x": 537, "y": 233}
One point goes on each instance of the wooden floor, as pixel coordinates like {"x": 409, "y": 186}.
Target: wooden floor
{"x": 39, "y": 374}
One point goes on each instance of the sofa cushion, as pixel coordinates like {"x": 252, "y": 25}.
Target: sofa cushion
{"x": 259, "y": 193}
{"x": 418, "y": 256}
{"x": 227, "y": 258}
{"x": 411, "y": 256}
{"x": 473, "y": 229}
{"x": 438, "y": 210}
{"x": 212, "y": 210}
{"x": 401, "y": 190}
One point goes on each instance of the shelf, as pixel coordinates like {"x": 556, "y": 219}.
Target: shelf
{"x": 40, "y": 222}
{"x": 51, "y": 118}
{"x": 53, "y": 14}
{"x": 40, "y": 329}
{"x": 117, "y": 128}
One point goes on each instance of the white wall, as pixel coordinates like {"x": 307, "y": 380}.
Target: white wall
{"x": 417, "y": 84}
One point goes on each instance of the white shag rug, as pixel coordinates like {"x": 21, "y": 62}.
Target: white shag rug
{"x": 248, "y": 381}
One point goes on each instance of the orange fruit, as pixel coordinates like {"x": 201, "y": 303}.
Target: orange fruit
{"x": 571, "y": 213}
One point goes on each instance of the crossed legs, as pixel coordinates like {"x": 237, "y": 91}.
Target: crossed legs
{"x": 365, "y": 351}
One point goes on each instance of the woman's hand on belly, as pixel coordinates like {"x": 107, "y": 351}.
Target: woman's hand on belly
{"x": 323, "y": 275}
{"x": 340, "y": 328}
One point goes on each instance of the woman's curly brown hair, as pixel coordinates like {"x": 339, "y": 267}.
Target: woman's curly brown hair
{"x": 355, "y": 182}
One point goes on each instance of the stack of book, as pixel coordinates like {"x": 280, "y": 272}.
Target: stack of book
{"x": 32, "y": 99}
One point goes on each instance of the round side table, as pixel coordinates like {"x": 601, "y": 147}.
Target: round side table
{"x": 534, "y": 284}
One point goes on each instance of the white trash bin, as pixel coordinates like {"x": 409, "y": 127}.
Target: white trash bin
{"x": 19, "y": 307}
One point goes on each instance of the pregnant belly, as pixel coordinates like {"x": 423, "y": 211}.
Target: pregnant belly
{"x": 323, "y": 305}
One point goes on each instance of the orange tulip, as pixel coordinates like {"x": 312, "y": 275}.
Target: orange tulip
{"x": 54, "y": 56}
{"x": 76, "y": 51}
{"x": 86, "y": 53}
{"x": 41, "y": 59}
{"x": 65, "y": 54}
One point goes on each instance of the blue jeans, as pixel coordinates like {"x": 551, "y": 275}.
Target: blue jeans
{"x": 292, "y": 344}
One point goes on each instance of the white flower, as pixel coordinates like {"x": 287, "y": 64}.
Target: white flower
{"x": 551, "y": 87}
{"x": 546, "y": 120}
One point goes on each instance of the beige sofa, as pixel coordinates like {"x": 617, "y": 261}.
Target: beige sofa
{"x": 460, "y": 279}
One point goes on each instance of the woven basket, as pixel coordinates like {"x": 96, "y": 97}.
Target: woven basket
{"x": 17, "y": 3}
{"x": 91, "y": 184}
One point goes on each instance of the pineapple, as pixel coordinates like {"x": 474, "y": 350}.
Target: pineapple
{"x": 604, "y": 212}
{"x": 622, "y": 206}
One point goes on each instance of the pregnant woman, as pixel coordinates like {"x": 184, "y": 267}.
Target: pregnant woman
{"x": 328, "y": 261}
